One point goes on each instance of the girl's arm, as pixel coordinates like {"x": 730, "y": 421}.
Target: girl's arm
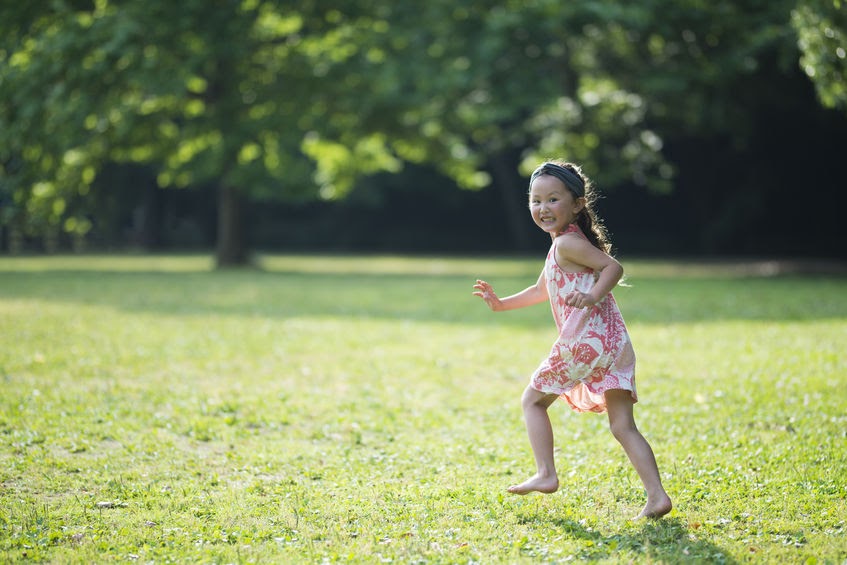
{"x": 573, "y": 250}
{"x": 527, "y": 297}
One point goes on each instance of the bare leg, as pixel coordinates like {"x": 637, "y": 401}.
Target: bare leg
{"x": 622, "y": 423}
{"x": 540, "y": 433}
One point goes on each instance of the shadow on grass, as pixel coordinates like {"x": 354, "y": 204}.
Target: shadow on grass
{"x": 436, "y": 298}
{"x": 668, "y": 540}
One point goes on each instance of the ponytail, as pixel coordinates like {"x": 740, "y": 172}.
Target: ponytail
{"x": 587, "y": 219}
{"x": 594, "y": 230}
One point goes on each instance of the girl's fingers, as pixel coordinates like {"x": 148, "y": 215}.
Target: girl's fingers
{"x": 575, "y": 299}
{"x": 482, "y": 286}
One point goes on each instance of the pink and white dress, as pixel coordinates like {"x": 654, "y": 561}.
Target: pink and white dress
{"x": 593, "y": 353}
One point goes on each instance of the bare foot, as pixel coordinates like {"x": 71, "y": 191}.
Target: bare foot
{"x": 536, "y": 484}
{"x": 655, "y": 508}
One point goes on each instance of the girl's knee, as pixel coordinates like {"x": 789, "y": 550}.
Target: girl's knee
{"x": 532, "y": 397}
{"x": 623, "y": 429}
{"x": 621, "y": 418}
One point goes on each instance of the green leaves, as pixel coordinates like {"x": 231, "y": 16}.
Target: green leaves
{"x": 821, "y": 27}
{"x": 292, "y": 102}
{"x": 201, "y": 95}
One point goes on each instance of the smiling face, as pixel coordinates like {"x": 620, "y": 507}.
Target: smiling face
{"x": 552, "y": 205}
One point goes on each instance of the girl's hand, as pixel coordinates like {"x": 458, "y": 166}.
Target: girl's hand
{"x": 580, "y": 299}
{"x": 484, "y": 291}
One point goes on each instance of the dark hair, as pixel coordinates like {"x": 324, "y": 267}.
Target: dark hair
{"x": 587, "y": 219}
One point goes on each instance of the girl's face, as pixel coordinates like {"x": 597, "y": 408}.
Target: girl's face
{"x": 552, "y": 205}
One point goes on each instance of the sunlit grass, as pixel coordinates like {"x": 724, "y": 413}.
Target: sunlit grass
{"x": 358, "y": 409}
{"x": 126, "y": 263}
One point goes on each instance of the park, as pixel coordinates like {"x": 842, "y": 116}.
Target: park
{"x": 238, "y": 249}
{"x": 363, "y": 409}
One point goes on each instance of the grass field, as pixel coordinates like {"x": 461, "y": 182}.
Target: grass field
{"x": 366, "y": 410}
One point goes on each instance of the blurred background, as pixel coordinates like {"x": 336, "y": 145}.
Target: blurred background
{"x": 710, "y": 128}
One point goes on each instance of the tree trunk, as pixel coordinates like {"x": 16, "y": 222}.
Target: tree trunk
{"x": 231, "y": 245}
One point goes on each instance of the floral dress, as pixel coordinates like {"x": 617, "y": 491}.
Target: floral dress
{"x": 593, "y": 353}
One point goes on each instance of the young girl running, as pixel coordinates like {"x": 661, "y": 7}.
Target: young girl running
{"x": 592, "y": 363}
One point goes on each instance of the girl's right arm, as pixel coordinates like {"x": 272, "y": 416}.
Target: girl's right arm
{"x": 527, "y": 297}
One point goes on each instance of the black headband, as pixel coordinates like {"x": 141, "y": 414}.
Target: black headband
{"x": 571, "y": 180}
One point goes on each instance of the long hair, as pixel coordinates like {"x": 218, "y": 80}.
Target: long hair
{"x": 587, "y": 219}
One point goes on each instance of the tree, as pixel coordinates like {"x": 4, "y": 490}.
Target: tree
{"x": 221, "y": 95}
{"x": 482, "y": 90}
{"x": 821, "y": 27}
{"x": 264, "y": 99}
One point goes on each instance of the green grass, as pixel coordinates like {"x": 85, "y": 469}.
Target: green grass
{"x": 366, "y": 409}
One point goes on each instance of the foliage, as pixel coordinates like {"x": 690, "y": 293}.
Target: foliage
{"x": 220, "y": 95}
{"x": 474, "y": 82}
{"x": 267, "y": 100}
{"x": 822, "y": 30}
{"x": 343, "y": 409}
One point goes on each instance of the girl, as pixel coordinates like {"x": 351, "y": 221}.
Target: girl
{"x": 592, "y": 363}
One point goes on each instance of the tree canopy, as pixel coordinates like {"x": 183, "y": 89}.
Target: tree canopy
{"x": 821, "y": 27}
{"x": 267, "y": 99}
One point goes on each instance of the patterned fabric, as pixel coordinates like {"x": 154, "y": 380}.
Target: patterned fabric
{"x": 593, "y": 353}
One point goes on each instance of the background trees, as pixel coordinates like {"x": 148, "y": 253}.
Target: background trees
{"x": 203, "y": 95}
{"x": 701, "y": 119}
{"x": 821, "y": 27}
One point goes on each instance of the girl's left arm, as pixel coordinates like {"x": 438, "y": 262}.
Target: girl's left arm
{"x": 577, "y": 250}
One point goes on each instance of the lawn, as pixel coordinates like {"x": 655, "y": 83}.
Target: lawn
{"x": 366, "y": 410}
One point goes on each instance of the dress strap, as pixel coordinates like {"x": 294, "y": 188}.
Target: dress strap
{"x": 572, "y": 228}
